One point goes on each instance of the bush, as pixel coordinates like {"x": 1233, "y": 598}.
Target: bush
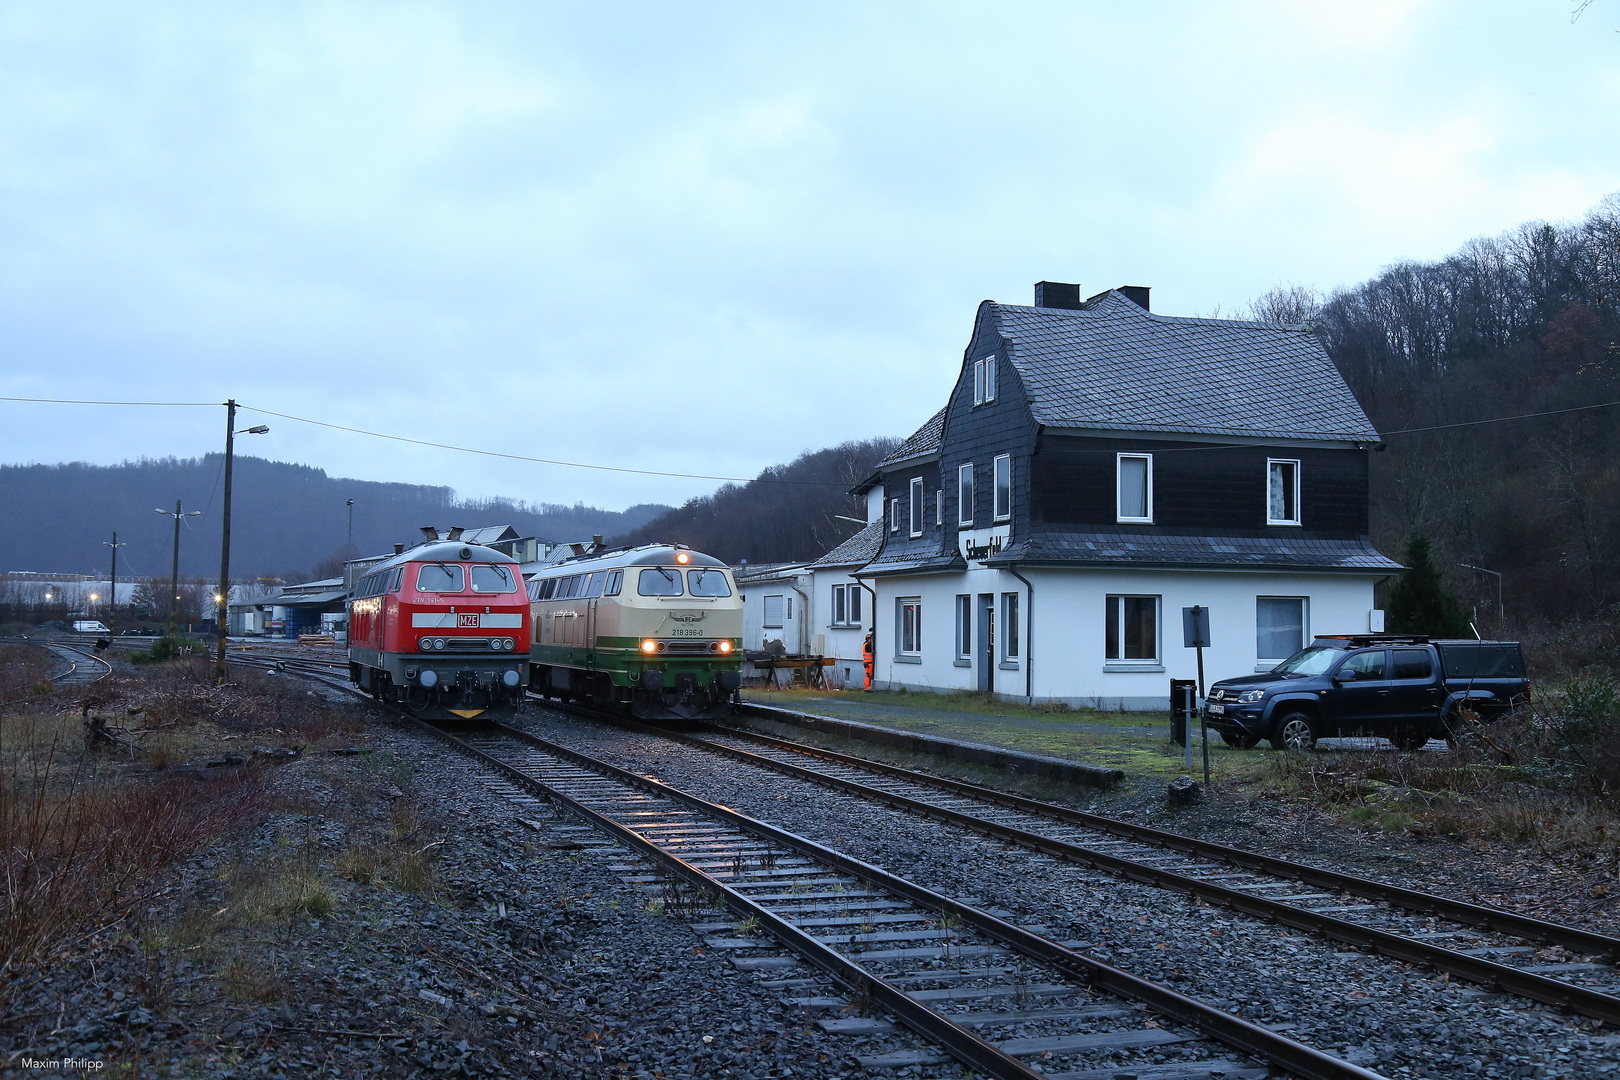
{"x": 168, "y": 647}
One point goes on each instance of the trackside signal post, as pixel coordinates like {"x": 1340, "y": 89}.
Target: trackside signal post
{"x": 222, "y": 620}
{"x": 1195, "y": 635}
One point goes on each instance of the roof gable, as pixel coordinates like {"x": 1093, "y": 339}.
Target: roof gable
{"x": 1111, "y": 365}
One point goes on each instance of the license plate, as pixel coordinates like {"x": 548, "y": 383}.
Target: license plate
{"x": 1217, "y": 710}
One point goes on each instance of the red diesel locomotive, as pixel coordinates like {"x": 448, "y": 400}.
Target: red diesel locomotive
{"x": 442, "y": 631}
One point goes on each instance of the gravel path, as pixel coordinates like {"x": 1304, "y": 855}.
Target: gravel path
{"x": 1383, "y": 1015}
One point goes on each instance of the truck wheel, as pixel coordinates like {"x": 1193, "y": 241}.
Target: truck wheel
{"x": 1239, "y": 741}
{"x": 1410, "y": 740}
{"x": 1295, "y": 731}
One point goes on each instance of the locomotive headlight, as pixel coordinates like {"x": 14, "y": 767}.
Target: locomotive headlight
{"x": 649, "y": 646}
{"x": 682, "y": 557}
{"x": 438, "y": 643}
{"x": 509, "y": 643}
{"x": 725, "y": 646}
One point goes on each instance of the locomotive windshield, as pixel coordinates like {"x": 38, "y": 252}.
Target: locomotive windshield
{"x": 439, "y": 577}
{"x": 490, "y": 578}
{"x": 708, "y": 583}
{"x": 656, "y": 581}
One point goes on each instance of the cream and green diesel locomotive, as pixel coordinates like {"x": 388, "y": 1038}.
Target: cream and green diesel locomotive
{"x": 654, "y": 631}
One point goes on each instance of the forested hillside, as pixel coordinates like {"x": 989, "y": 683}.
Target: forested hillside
{"x": 789, "y": 512}
{"x": 1528, "y": 322}
{"x": 286, "y": 519}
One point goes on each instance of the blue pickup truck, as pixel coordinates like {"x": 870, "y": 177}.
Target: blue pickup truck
{"x": 1406, "y": 689}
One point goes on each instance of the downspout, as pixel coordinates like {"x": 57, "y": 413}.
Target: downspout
{"x": 1029, "y": 638}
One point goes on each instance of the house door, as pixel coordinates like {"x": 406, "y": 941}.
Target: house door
{"x": 987, "y": 645}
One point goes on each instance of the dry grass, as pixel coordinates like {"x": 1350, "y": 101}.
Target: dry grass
{"x": 245, "y": 982}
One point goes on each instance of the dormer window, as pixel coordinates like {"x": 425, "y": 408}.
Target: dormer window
{"x": 1135, "y": 487}
{"x": 916, "y": 506}
{"x": 894, "y": 515}
{"x": 984, "y": 380}
{"x": 1282, "y": 492}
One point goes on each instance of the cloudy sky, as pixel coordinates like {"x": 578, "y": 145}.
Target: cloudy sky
{"x": 702, "y": 238}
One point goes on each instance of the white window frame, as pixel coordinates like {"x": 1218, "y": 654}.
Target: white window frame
{"x": 916, "y": 506}
{"x": 1304, "y": 628}
{"x": 765, "y": 615}
{"x": 999, "y": 512}
{"x": 978, "y": 382}
{"x": 1011, "y": 640}
{"x": 964, "y": 507}
{"x": 840, "y": 611}
{"x": 894, "y": 514}
{"x": 964, "y": 626}
{"x": 1119, "y": 463}
{"x": 939, "y": 508}
{"x": 901, "y": 605}
{"x": 1271, "y": 464}
{"x": 855, "y": 604}
{"x": 989, "y": 379}
{"x": 1116, "y": 603}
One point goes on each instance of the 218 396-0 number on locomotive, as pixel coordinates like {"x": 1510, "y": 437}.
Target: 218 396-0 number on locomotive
{"x": 653, "y": 631}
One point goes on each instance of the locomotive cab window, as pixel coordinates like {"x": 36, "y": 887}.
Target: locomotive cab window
{"x": 614, "y": 584}
{"x": 656, "y": 581}
{"x": 395, "y": 578}
{"x": 707, "y": 583}
{"x": 490, "y": 578}
{"x": 439, "y": 577}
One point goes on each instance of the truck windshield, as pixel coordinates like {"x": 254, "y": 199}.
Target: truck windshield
{"x": 489, "y": 577}
{"x": 1311, "y": 661}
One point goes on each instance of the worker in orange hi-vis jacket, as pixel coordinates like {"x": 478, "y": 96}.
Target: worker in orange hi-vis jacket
{"x": 866, "y": 656}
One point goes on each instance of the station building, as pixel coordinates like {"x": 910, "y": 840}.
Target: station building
{"x": 1095, "y": 469}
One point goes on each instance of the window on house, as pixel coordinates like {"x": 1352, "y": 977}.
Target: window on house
{"x": 773, "y": 613}
{"x": 978, "y": 382}
{"x": 1282, "y": 492}
{"x": 1135, "y": 487}
{"x": 989, "y": 378}
{"x": 789, "y": 607}
{"x": 1279, "y": 626}
{"x": 1133, "y": 628}
{"x": 964, "y": 625}
{"x": 939, "y": 508}
{"x": 908, "y": 615}
{"x": 1003, "y": 496}
{"x": 855, "y": 605}
{"x": 916, "y": 506}
{"x": 964, "y": 495}
{"x": 894, "y": 515}
{"x": 1009, "y": 626}
{"x": 840, "y": 609}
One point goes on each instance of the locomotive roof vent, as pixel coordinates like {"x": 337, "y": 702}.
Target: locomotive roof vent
{"x": 464, "y": 553}
{"x": 429, "y": 532}
{"x": 399, "y": 549}
{"x": 596, "y": 541}
{"x": 577, "y": 549}
{"x": 455, "y": 532}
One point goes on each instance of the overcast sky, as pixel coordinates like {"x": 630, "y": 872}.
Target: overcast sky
{"x": 704, "y": 237}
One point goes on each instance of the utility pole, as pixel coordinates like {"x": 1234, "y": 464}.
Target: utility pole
{"x": 350, "y": 544}
{"x": 222, "y": 616}
{"x": 174, "y": 576}
{"x": 112, "y": 587}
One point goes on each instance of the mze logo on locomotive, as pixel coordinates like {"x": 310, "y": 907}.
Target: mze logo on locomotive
{"x": 409, "y": 639}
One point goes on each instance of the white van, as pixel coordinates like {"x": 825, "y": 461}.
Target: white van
{"x": 90, "y": 626}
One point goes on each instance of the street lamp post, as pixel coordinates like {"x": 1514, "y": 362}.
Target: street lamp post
{"x": 222, "y": 619}
{"x": 112, "y": 586}
{"x": 1501, "y": 612}
{"x": 174, "y": 578}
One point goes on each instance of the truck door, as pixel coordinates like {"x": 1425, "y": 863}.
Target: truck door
{"x": 1359, "y": 700}
{"x": 1414, "y": 692}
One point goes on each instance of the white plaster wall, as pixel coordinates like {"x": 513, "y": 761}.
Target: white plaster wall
{"x": 842, "y": 643}
{"x": 874, "y": 504}
{"x": 1068, "y": 644}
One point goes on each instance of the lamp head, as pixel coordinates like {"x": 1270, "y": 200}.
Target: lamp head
{"x": 257, "y": 429}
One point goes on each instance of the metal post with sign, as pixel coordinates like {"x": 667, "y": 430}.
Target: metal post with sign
{"x": 1195, "y": 635}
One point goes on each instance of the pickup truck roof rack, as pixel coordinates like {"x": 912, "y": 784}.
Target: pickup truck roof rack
{"x": 1358, "y": 640}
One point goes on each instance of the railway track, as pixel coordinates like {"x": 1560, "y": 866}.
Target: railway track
{"x": 1484, "y": 945}
{"x": 991, "y": 994}
{"x": 83, "y": 666}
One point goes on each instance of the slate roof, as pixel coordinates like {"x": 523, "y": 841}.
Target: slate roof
{"x": 923, "y": 441}
{"x": 1113, "y": 365}
{"x": 1078, "y": 548}
{"x": 914, "y": 562}
{"x": 857, "y": 550}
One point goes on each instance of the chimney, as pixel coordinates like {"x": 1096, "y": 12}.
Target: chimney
{"x": 429, "y": 532}
{"x": 399, "y": 549}
{"x": 1137, "y": 294}
{"x": 1057, "y": 294}
{"x": 455, "y": 532}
